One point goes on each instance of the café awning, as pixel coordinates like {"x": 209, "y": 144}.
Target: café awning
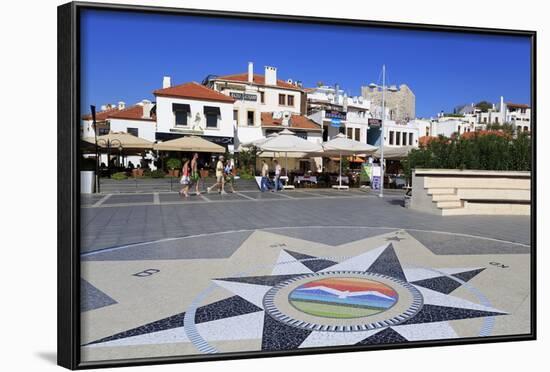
{"x": 121, "y": 140}
{"x": 189, "y": 144}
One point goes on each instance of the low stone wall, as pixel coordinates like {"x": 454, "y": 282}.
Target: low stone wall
{"x": 449, "y": 192}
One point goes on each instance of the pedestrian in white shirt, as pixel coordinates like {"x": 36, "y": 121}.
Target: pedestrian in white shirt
{"x": 277, "y": 175}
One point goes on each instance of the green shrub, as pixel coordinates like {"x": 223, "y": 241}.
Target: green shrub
{"x": 119, "y": 176}
{"x": 147, "y": 173}
{"x": 246, "y": 175}
{"x": 493, "y": 151}
{"x": 157, "y": 174}
{"x": 173, "y": 163}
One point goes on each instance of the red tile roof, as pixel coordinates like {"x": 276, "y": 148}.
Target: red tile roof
{"x": 195, "y": 91}
{"x": 130, "y": 113}
{"x": 517, "y": 105}
{"x": 101, "y": 115}
{"x": 296, "y": 122}
{"x": 257, "y": 79}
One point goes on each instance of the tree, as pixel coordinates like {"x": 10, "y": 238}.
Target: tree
{"x": 484, "y": 106}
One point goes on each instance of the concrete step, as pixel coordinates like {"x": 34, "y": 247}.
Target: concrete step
{"x": 437, "y": 191}
{"x": 445, "y": 197}
{"x": 449, "y": 204}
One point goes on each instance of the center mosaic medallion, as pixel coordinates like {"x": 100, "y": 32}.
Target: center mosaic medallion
{"x": 342, "y": 301}
{"x": 343, "y": 297}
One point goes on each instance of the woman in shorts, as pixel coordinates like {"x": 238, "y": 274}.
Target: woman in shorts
{"x": 185, "y": 178}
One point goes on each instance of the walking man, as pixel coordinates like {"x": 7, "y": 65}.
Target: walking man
{"x": 195, "y": 175}
{"x": 219, "y": 177}
{"x": 265, "y": 174}
{"x": 277, "y": 176}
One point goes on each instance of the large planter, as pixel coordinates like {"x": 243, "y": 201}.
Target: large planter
{"x": 138, "y": 172}
{"x": 173, "y": 172}
{"x": 87, "y": 182}
{"x": 204, "y": 173}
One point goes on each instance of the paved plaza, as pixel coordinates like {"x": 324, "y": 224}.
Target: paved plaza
{"x": 250, "y": 271}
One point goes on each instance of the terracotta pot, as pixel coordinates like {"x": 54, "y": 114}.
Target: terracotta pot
{"x": 204, "y": 173}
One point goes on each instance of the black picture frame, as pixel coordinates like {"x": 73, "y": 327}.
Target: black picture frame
{"x": 69, "y": 110}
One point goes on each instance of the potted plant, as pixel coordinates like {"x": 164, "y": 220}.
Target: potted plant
{"x": 174, "y": 166}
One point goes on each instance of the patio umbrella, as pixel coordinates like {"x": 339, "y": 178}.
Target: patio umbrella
{"x": 287, "y": 142}
{"x": 345, "y": 146}
{"x": 189, "y": 144}
{"x": 123, "y": 140}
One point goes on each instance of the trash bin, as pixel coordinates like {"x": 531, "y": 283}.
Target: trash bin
{"x": 87, "y": 182}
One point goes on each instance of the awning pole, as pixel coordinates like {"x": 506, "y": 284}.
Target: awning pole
{"x": 340, "y": 170}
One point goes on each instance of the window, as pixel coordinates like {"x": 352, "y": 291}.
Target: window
{"x": 410, "y": 139}
{"x": 349, "y": 133}
{"x": 282, "y": 99}
{"x": 391, "y": 137}
{"x": 404, "y": 134}
{"x": 211, "y": 120}
{"x": 250, "y": 118}
{"x": 211, "y": 113}
{"x": 236, "y": 115}
{"x": 342, "y": 130}
{"x": 357, "y": 134}
{"x": 133, "y": 131}
{"x": 262, "y": 97}
{"x": 103, "y": 131}
{"x": 181, "y": 117}
{"x": 181, "y": 113}
{"x": 398, "y": 138}
{"x": 290, "y": 100}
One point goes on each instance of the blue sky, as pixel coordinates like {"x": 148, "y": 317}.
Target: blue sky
{"x": 125, "y": 55}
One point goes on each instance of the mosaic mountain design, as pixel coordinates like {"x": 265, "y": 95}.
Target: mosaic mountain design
{"x": 343, "y": 297}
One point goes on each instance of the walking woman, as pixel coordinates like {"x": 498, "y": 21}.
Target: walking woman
{"x": 195, "y": 175}
{"x": 185, "y": 179}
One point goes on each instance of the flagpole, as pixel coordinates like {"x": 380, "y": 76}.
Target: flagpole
{"x": 382, "y": 130}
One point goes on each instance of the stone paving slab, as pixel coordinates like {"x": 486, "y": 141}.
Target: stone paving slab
{"x": 228, "y": 196}
{"x": 124, "y": 199}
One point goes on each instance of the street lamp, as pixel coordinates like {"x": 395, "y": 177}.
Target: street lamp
{"x": 114, "y": 143}
{"x": 372, "y": 85}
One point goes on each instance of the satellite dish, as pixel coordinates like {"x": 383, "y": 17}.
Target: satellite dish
{"x": 286, "y": 115}
{"x": 392, "y": 88}
{"x": 277, "y": 115}
{"x": 372, "y": 85}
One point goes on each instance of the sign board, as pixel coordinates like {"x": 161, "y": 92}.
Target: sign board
{"x": 375, "y": 183}
{"x": 244, "y": 96}
{"x": 335, "y": 122}
{"x": 376, "y": 171}
{"x": 366, "y": 172}
{"x": 375, "y": 122}
{"x": 333, "y": 114}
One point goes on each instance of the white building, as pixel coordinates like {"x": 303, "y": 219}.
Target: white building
{"x": 519, "y": 115}
{"x": 396, "y": 134}
{"x": 256, "y": 94}
{"x": 516, "y": 114}
{"x": 449, "y": 126}
{"x": 194, "y": 109}
{"x": 138, "y": 120}
{"x": 331, "y": 108}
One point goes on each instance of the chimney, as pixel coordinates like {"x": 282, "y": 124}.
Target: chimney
{"x": 270, "y": 75}
{"x": 250, "y": 72}
{"x": 166, "y": 82}
{"x": 147, "y": 106}
{"x": 121, "y": 105}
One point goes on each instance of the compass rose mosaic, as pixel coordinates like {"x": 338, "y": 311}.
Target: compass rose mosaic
{"x": 373, "y": 291}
